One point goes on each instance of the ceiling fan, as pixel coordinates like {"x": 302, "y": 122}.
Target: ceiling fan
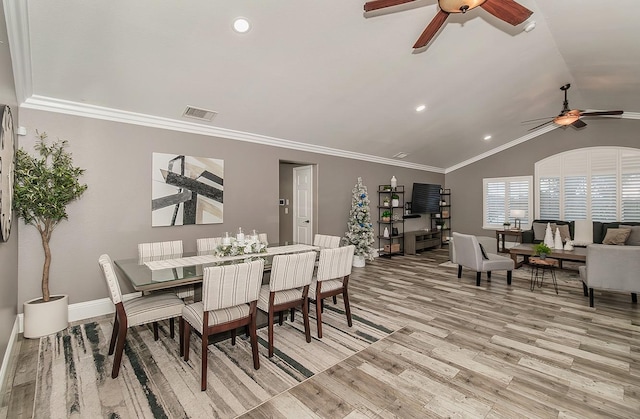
{"x": 572, "y": 116}
{"x": 507, "y": 10}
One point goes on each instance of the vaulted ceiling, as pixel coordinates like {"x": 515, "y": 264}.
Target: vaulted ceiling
{"x": 324, "y": 75}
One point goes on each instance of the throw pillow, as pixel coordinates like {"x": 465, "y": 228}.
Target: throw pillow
{"x": 539, "y": 230}
{"x": 564, "y": 232}
{"x": 634, "y": 237}
{"x": 484, "y": 253}
{"x": 616, "y": 236}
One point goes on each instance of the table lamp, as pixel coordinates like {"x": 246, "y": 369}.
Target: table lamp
{"x": 517, "y": 214}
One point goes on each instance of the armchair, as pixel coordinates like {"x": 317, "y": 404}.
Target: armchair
{"x": 468, "y": 254}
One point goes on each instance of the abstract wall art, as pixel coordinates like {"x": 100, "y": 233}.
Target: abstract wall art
{"x": 186, "y": 190}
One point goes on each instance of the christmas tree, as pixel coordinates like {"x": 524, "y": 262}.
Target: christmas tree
{"x": 360, "y": 232}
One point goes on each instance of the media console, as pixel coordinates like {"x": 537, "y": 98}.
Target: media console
{"x": 420, "y": 240}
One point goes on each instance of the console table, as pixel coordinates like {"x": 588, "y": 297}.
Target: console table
{"x": 420, "y": 240}
{"x": 503, "y": 234}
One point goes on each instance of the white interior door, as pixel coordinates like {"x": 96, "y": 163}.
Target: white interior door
{"x": 303, "y": 204}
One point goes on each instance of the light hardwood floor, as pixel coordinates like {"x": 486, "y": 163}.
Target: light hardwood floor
{"x": 493, "y": 351}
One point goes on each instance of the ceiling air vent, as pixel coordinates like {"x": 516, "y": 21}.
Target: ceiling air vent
{"x": 201, "y": 114}
{"x": 400, "y": 155}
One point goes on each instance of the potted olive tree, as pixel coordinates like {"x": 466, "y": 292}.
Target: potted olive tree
{"x": 45, "y": 184}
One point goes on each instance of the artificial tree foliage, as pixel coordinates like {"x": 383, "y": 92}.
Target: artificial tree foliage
{"x": 360, "y": 232}
{"x": 45, "y": 184}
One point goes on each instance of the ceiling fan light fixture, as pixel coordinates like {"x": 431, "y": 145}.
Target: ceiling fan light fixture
{"x": 568, "y": 118}
{"x": 459, "y": 6}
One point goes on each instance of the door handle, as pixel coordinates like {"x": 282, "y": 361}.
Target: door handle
{"x": 307, "y": 221}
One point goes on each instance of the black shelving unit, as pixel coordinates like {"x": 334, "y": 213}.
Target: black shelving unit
{"x": 442, "y": 220}
{"x": 394, "y": 244}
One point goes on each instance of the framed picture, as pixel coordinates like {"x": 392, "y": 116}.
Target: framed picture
{"x": 186, "y": 190}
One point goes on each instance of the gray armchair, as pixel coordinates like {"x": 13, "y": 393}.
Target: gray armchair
{"x": 612, "y": 268}
{"x": 468, "y": 254}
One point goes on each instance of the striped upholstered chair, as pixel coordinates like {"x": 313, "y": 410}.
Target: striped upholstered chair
{"x": 161, "y": 251}
{"x": 229, "y": 300}
{"x": 332, "y": 279}
{"x": 288, "y": 288}
{"x": 206, "y": 246}
{"x": 326, "y": 242}
{"x": 142, "y": 310}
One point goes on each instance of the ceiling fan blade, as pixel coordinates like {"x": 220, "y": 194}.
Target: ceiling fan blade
{"x": 541, "y": 125}
{"x": 579, "y": 124}
{"x": 381, "y": 4}
{"x": 537, "y": 119}
{"x": 601, "y": 113}
{"x": 432, "y": 29}
{"x": 507, "y": 10}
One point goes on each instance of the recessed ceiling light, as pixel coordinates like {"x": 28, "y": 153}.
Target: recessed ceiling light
{"x": 421, "y": 108}
{"x": 487, "y": 137}
{"x": 241, "y": 25}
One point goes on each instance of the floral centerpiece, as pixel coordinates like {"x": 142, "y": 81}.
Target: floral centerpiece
{"x": 245, "y": 247}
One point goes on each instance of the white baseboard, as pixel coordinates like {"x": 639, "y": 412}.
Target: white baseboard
{"x": 86, "y": 309}
{"x": 7, "y": 354}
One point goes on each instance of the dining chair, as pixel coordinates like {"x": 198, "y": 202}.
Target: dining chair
{"x": 229, "y": 300}
{"x": 137, "y": 311}
{"x": 331, "y": 280}
{"x": 162, "y": 251}
{"x": 207, "y": 246}
{"x": 325, "y": 241}
{"x": 288, "y": 288}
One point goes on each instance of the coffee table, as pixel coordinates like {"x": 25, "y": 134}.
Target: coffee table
{"x": 578, "y": 254}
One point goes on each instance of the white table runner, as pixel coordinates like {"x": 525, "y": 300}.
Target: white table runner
{"x": 200, "y": 260}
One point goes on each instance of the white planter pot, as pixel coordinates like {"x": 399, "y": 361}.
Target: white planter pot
{"x": 42, "y": 319}
{"x": 395, "y": 202}
{"x": 358, "y": 261}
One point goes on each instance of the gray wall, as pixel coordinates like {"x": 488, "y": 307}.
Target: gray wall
{"x": 114, "y": 214}
{"x": 466, "y": 183}
{"x": 8, "y": 250}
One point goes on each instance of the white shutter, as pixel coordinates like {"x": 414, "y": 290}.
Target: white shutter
{"x": 630, "y": 188}
{"x": 549, "y": 198}
{"x": 603, "y": 191}
{"x": 575, "y": 198}
{"x": 495, "y": 199}
{"x": 518, "y": 199}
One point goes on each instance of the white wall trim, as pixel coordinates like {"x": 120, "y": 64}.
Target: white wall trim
{"x": 17, "y": 19}
{"x": 48, "y": 104}
{"x": 87, "y": 309}
{"x": 7, "y": 354}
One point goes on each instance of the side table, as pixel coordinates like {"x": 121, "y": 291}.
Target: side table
{"x": 502, "y": 234}
{"x": 538, "y": 269}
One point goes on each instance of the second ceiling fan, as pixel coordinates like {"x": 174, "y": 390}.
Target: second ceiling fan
{"x": 507, "y": 10}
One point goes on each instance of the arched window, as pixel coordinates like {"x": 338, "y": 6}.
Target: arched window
{"x": 595, "y": 183}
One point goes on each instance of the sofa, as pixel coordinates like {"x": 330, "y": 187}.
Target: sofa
{"x": 599, "y": 229}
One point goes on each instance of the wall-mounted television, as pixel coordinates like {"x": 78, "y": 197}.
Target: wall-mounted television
{"x": 425, "y": 198}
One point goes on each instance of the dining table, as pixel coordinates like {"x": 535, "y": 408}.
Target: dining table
{"x": 187, "y": 269}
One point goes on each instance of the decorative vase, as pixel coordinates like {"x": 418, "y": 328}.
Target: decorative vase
{"x": 386, "y": 232}
{"x": 42, "y": 319}
{"x": 394, "y": 182}
{"x": 395, "y": 202}
{"x": 358, "y": 261}
{"x": 386, "y": 219}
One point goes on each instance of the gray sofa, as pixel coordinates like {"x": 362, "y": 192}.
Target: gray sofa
{"x": 611, "y": 268}
{"x": 599, "y": 229}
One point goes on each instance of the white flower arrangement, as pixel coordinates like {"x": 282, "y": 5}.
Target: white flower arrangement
{"x": 246, "y": 247}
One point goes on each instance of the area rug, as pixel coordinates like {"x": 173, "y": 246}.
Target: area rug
{"x": 74, "y": 369}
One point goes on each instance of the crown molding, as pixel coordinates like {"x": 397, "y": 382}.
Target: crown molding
{"x": 17, "y": 19}
{"x": 48, "y": 104}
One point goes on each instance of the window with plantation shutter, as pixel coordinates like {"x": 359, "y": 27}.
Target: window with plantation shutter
{"x": 549, "y": 197}
{"x": 597, "y": 183}
{"x": 630, "y": 186}
{"x": 501, "y": 195}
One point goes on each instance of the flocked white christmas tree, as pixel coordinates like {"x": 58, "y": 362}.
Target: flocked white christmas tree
{"x": 360, "y": 232}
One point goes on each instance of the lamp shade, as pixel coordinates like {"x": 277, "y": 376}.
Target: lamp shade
{"x": 516, "y": 213}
